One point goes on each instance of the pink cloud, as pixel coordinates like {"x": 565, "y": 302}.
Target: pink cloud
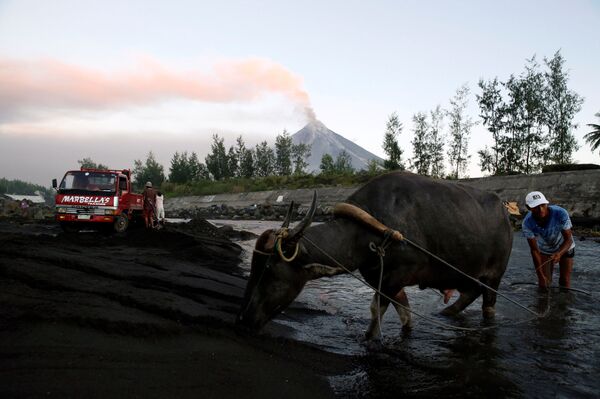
{"x": 49, "y": 83}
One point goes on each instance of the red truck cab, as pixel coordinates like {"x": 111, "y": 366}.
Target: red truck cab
{"x": 95, "y": 197}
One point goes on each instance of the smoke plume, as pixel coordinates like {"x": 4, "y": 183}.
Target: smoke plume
{"x": 49, "y": 83}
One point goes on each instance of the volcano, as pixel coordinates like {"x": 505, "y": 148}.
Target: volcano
{"x": 325, "y": 141}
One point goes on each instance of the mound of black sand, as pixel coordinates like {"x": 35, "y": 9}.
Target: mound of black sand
{"x": 144, "y": 314}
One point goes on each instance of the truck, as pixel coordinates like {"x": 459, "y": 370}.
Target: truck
{"x": 100, "y": 198}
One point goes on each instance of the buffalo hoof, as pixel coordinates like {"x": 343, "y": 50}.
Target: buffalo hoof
{"x": 489, "y": 312}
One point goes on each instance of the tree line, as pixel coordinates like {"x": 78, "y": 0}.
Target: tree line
{"x": 529, "y": 117}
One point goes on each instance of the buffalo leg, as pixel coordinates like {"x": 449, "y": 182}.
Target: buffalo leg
{"x": 403, "y": 309}
{"x": 377, "y": 312}
{"x": 465, "y": 299}
{"x": 489, "y": 297}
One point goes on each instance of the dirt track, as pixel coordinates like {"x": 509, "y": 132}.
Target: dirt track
{"x": 145, "y": 314}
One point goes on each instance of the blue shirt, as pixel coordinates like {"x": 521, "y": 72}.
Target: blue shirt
{"x": 549, "y": 237}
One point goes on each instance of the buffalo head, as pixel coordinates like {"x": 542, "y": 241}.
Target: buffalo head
{"x": 280, "y": 268}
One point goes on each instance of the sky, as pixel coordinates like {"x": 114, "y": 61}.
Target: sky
{"x": 113, "y": 80}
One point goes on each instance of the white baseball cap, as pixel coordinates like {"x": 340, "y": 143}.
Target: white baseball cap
{"x": 535, "y": 198}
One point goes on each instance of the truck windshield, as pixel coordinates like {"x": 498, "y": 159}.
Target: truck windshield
{"x": 95, "y": 182}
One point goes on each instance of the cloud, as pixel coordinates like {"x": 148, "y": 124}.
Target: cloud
{"x": 49, "y": 84}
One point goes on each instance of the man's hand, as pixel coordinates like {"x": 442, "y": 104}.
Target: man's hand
{"x": 556, "y": 257}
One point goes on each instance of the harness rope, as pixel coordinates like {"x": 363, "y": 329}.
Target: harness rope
{"x": 389, "y": 236}
{"x": 408, "y": 309}
{"x": 380, "y": 251}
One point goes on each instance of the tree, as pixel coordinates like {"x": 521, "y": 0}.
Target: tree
{"x": 421, "y": 159}
{"x": 265, "y": 160}
{"x": 198, "y": 169}
{"x": 150, "y": 170}
{"x": 90, "y": 164}
{"x": 245, "y": 159}
{"x": 436, "y": 143}
{"x": 232, "y": 163}
{"x": 390, "y": 143}
{"x": 181, "y": 171}
{"x": 593, "y": 137}
{"x": 327, "y": 165}
{"x": 460, "y": 128}
{"x": 562, "y": 105}
{"x": 531, "y": 117}
{"x": 186, "y": 169}
{"x": 343, "y": 163}
{"x": 373, "y": 167}
{"x": 283, "y": 154}
{"x": 492, "y": 107}
{"x": 247, "y": 167}
{"x": 300, "y": 153}
{"x": 217, "y": 162}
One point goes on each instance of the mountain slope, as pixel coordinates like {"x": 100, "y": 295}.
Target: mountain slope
{"x": 325, "y": 141}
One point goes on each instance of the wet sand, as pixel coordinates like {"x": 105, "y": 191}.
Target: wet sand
{"x": 144, "y": 314}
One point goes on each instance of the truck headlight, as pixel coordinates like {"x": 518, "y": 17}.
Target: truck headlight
{"x": 61, "y": 210}
{"x": 109, "y": 211}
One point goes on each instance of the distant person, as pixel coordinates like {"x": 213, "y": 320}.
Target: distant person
{"x": 24, "y": 208}
{"x": 160, "y": 209}
{"x": 548, "y": 232}
{"x": 149, "y": 199}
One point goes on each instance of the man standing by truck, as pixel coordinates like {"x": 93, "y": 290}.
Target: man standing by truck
{"x": 149, "y": 196}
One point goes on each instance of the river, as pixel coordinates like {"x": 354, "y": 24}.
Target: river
{"x": 521, "y": 356}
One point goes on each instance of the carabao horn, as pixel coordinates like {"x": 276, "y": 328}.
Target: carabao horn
{"x": 288, "y": 216}
{"x": 306, "y": 221}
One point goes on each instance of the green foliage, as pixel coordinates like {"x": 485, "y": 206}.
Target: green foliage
{"x": 14, "y": 186}
{"x": 90, "y": 164}
{"x": 343, "y": 164}
{"x": 265, "y": 160}
{"x": 327, "y": 165}
{"x": 245, "y": 159}
{"x": 562, "y": 105}
{"x": 593, "y": 137}
{"x": 460, "y": 128}
{"x": 150, "y": 170}
{"x": 236, "y": 185}
{"x": 436, "y": 143}
{"x": 390, "y": 143}
{"x": 421, "y": 159}
{"x": 217, "y": 162}
{"x": 533, "y": 125}
{"x": 283, "y": 154}
{"x": 186, "y": 168}
{"x": 300, "y": 153}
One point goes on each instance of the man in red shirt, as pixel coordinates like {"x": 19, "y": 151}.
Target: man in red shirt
{"x": 149, "y": 196}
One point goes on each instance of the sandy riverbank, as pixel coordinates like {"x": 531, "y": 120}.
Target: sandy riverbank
{"x": 146, "y": 314}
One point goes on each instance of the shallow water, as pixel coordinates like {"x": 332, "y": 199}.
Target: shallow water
{"x": 554, "y": 356}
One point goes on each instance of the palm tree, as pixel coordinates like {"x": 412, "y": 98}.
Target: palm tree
{"x": 593, "y": 137}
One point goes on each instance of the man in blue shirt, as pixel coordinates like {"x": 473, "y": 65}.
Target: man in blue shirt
{"x": 548, "y": 232}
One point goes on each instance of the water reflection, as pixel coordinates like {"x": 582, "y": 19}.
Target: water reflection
{"x": 554, "y": 356}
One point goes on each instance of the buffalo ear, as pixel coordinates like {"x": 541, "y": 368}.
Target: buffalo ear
{"x": 317, "y": 270}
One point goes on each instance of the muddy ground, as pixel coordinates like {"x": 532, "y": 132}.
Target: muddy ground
{"x": 143, "y": 314}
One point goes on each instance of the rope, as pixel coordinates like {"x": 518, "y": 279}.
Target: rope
{"x": 553, "y": 286}
{"x": 472, "y": 278}
{"x": 380, "y": 251}
{"x": 429, "y": 319}
{"x": 281, "y": 235}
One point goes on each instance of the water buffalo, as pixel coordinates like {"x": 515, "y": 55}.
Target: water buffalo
{"x": 466, "y": 227}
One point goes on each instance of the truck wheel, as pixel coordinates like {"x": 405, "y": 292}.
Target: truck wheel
{"x": 121, "y": 223}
